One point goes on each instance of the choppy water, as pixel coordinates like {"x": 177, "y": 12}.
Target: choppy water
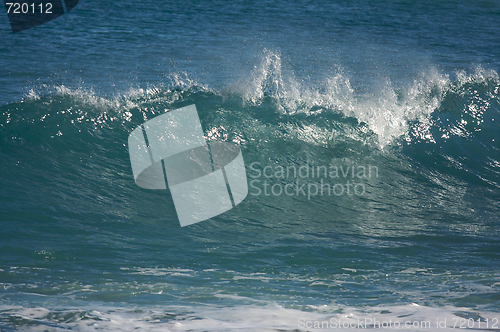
{"x": 409, "y": 90}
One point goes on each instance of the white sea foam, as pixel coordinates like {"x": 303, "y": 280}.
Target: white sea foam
{"x": 264, "y": 317}
{"x": 389, "y": 111}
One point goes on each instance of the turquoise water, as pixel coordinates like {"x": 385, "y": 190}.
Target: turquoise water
{"x": 408, "y": 89}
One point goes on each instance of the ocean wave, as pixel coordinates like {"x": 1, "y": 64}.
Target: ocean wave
{"x": 411, "y": 112}
{"x": 428, "y": 221}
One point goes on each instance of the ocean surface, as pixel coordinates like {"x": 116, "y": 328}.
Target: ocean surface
{"x": 398, "y": 100}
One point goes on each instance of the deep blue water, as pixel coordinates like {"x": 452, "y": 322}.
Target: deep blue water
{"x": 409, "y": 88}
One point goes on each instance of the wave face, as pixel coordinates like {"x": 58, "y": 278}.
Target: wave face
{"x": 417, "y": 230}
